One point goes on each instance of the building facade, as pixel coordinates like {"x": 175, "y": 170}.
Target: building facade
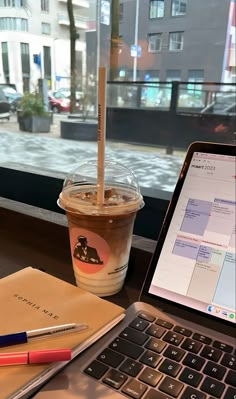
{"x": 34, "y": 40}
{"x": 185, "y": 40}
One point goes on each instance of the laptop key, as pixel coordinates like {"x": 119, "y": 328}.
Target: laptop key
{"x": 150, "y": 376}
{"x": 231, "y": 378}
{"x": 174, "y": 353}
{"x": 229, "y": 361}
{"x": 169, "y": 367}
{"x": 150, "y": 358}
{"x": 230, "y": 393}
{"x": 214, "y": 370}
{"x": 147, "y": 316}
{"x": 193, "y": 361}
{"x": 96, "y": 369}
{"x": 202, "y": 338}
{"x": 126, "y": 348}
{"x": 110, "y": 357}
{"x": 134, "y": 389}
{"x": 156, "y": 345}
{"x": 213, "y": 387}
{"x": 131, "y": 367}
{"x": 171, "y": 387}
{"x": 155, "y": 331}
{"x": 173, "y": 338}
{"x": 191, "y": 345}
{"x": 135, "y": 336}
{"x": 191, "y": 377}
{"x": 222, "y": 346}
{"x": 211, "y": 353}
{"x": 139, "y": 324}
{"x": 114, "y": 378}
{"x": 191, "y": 393}
{"x": 164, "y": 323}
{"x": 183, "y": 331}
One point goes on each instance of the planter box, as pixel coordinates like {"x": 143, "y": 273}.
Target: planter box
{"x": 35, "y": 124}
{"x": 78, "y": 130}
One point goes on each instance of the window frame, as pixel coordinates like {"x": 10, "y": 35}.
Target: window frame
{"x": 154, "y": 5}
{"x": 171, "y": 41}
{"x": 45, "y": 7}
{"x": 153, "y": 35}
{"x": 174, "y": 5}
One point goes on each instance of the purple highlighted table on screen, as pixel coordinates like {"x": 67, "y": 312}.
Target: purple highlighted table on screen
{"x": 196, "y": 216}
{"x": 186, "y": 249}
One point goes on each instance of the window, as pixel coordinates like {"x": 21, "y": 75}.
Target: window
{"x": 196, "y": 75}
{"x": 5, "y": 62}
{"x": 176, "y": 40}
{"x": 45, "y": 5}
{"x": 46, "y": 28}
{"x": 173, "y": 74}
{"x": 18, "y": 24}
{"x": 12, "y": 3}
{"x": 47, "y": 64}
{"x": 178, "y": 7}
{"x": 121, "y": 11}
{"x": 154, "y": 42}
{"x": 25, "y": 65}
{"x": 156, "y": 9}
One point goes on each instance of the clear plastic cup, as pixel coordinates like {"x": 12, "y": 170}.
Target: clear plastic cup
{"x": 100, "y": 234}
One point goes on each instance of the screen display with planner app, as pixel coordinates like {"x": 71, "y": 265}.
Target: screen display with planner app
{"x": 196, "y": 267}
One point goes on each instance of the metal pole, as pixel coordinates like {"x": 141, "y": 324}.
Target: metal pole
{"x": 136, "y": 41}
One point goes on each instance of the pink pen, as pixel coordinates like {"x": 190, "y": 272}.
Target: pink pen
{"x": 34, "y": 357}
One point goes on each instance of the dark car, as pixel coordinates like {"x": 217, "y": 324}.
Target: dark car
{"x": 13, "y": 99}
{"x": 4, "y": 106}
{"x": 59, "y": 102}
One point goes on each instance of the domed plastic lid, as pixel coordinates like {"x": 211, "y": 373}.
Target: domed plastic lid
{"x": 121, "y": 190}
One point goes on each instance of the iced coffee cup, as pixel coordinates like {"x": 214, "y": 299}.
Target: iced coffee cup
{"x": 100, "y": 234}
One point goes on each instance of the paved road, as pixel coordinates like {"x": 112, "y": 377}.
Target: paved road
{"x": 152, "y": 167}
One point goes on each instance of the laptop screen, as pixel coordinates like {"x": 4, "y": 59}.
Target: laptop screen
{"x": 196, "y": 266}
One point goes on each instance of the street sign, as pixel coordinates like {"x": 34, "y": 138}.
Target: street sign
{"x": 135, "y": 51}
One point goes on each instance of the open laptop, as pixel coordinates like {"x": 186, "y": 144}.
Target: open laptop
{"x": 179, "y": 340}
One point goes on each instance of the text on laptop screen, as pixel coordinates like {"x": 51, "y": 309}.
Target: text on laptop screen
{"x": 196, "y": 267}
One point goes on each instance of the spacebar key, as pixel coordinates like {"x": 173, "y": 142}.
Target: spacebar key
{"x": 126, "y": 348}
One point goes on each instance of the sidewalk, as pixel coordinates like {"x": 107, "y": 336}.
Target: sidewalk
{"x": 152, "y": 167}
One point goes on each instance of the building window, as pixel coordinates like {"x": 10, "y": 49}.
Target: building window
{"x": 121, "y": 11}
{"x": 154, "y": 42}
{"x": 176, "y": 41}
{"x": 5, "y": 62}
{"x": 156, "y": 9}
{"x": 12, "y": 3}
{"x": 25, "y": 65}
{"x": 46, "y": 28}
{"x": 173, "y": 74}
{"x": 45, "y": 5}
{"x": 47, "y": 64}
{"x": 18, "y": 24}
{"x": 196, "y": 75}
{"x": 178, "y": 7}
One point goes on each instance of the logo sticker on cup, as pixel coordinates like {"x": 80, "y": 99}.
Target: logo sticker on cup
{"x": 90, "y": 251}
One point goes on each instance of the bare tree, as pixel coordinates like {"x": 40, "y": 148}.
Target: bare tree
{"x": 73, "y": 36}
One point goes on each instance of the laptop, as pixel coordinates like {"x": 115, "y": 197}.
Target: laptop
{"x": 178, "y": 340}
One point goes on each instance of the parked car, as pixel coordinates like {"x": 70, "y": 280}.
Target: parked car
{"x": 4, "y": 106}
{"x": 13, "y": 99}
{"x": 59, "y": 102}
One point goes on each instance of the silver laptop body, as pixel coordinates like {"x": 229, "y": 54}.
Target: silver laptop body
{"x": 184, "y": 322}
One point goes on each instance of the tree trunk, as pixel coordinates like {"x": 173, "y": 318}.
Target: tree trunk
{"x": 73, "y": 37}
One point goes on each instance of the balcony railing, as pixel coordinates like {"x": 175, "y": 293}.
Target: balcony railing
{"x": 80, "y": 22}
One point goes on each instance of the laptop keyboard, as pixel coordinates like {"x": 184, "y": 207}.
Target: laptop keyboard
{"x": 154, "y": 359}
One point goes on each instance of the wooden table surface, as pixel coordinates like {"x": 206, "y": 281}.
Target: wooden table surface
{"x": 27, "y": 240}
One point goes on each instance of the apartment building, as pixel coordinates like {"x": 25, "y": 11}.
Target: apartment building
{"x": 34, "y": 40}
{"x": 177, "y": 40}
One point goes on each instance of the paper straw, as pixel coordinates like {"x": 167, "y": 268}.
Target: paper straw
{"x": 102, "y": 78}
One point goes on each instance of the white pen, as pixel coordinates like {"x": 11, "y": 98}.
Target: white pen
{"x": 26, "y": 336}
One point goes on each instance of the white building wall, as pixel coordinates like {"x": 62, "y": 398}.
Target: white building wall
{"x": 58, "y": 41}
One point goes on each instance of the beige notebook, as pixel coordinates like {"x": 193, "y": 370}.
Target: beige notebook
{"x": 31, "y": 299}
